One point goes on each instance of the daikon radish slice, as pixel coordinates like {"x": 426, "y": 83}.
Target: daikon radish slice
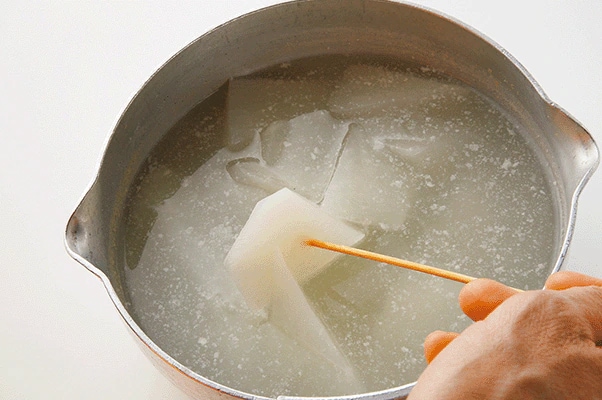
{"x": 368, "y": 91}
{"x": 370, "y": 187}
{"x": 304, "y": 151}
{"x": 252, "y": 172}
{"x": 283, "y": 221}
{"x": 291, "y": 312}
{"x": 273, "y": 99}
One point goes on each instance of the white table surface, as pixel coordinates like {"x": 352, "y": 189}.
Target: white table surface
{"x": 67, "y": 71}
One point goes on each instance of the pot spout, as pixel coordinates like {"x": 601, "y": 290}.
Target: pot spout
{"x": 85, "y": 237}
{"x": 575, "y": 157}
{"x": 576, "y": 151}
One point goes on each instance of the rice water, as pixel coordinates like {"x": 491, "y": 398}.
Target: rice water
{"x": 426, "y": 168}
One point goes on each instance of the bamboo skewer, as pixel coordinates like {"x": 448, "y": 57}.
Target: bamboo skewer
{"x": 339, "y": 248}
{"x": 454, "y": 276}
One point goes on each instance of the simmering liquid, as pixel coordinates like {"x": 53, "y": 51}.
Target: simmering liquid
{"x": 426, "y": 168}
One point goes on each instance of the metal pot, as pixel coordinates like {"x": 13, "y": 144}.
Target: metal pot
{"x": 290, "y": 31}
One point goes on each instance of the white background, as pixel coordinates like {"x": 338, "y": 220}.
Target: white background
{"x": 67, "y": 71}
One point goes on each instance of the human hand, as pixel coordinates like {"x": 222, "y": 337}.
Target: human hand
{"x": 536, "y": 344}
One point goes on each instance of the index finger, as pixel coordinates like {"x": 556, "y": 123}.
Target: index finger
{"x": 480, "y": 297}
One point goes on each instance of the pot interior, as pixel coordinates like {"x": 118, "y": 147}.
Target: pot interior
{"x": 476, "y": 199}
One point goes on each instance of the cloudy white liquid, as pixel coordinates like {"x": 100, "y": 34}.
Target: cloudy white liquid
{"x": 427, "y": 169}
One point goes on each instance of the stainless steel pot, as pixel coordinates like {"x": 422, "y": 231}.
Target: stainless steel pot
{"x": 289, "y": 31}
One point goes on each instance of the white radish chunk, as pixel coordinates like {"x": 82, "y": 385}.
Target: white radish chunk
{"x": 304, "y": 151}
{"x": 369, "y": 91}
{"x": 291, "y": 312}
{"x": 252, "y": 172}
{"x": 423, "y": 143}
{"x": 369, "y": 187}
{"x": 283, "y": 221}
{"x": 391, "y": 134}
{"x": 272, "y": 99}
